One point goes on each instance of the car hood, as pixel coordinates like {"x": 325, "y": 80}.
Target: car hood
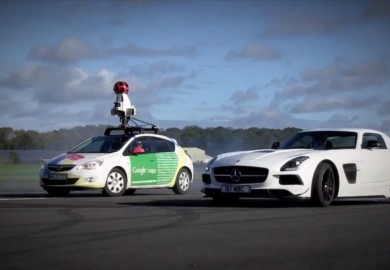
{"x": 256, "y": 157}
{"x": 74, "y": 158}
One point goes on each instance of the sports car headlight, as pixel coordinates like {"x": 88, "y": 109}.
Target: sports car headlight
{"x": 292, "y": 165}
{"x": 208, "y": 165}
{"x": 44, "y": 164}
{"x": 90, "y": 165}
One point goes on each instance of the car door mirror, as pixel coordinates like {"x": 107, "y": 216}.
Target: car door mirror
{"x": 127, "y": 152}
{"x": 275, "y": 145}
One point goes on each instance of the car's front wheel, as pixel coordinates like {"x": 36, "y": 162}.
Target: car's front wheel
{"x": 183, "y": 182}
{"x": 116, "y": 183}
{"x": 323, "y": 185}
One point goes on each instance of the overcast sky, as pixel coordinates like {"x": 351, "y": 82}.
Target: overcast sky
{"x": 240, "y": 64}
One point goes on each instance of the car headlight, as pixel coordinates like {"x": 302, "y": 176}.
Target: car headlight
{"x": 293, "y": 164}
{"x": 43, "y": 165}
{"x": 208, "y": 165}
{"x": 90, "y": 165}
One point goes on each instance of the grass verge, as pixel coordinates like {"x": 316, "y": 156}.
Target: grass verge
{"x": 21, "y": 173}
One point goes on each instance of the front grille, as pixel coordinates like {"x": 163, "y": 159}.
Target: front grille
{"x": 60, "y": 168}
{"x": 70, "y": 181}
{"x": 240, "y": 174}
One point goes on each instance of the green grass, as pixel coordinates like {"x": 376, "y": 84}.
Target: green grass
{"x": 22, "y": 173}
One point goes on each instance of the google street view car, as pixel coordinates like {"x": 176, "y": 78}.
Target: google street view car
{"x": 124, "y": 159}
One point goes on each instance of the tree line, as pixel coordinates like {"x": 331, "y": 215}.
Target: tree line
{"x": 214, "y": 140}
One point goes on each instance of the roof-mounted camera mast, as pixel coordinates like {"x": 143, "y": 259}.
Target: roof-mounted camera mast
{"x": 122, "y": 106}
{"x": 125, "y": 111}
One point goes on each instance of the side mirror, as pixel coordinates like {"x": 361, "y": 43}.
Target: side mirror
{"x": 127, "y": 152}
{"x": 275, "y": 145}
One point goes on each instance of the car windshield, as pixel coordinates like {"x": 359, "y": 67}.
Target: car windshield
{"x": 102, "y": 144}
{"x": 320, "y": 140}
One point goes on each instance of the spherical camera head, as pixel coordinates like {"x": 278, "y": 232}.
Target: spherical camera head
{"x": 121, "y": 87}
{"x": 122, "y": 106}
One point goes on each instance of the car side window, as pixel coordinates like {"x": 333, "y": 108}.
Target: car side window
{"x": 140, "y": 145}
{"x": 160, "y": 145}
{"x": 370, "y": 140}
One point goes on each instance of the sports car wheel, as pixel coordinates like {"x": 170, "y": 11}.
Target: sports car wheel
{"x": 183, "y": 182}
{"x": 58, "y": 192}
{"x": 116, "y": 183}
{"x": 323, "y": 185}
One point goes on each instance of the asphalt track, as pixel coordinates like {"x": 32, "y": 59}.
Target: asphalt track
{"x": 156, "y": 229}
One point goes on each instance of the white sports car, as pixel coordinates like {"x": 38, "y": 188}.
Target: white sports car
{"x": 320, "y": 164}
{"x": 119, "y": 163}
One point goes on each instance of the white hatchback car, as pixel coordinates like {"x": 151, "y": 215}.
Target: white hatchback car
{"x": 118, "y": 164}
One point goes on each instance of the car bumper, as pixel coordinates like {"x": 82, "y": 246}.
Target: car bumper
{"x": 272, "y": 187}
{"x": 260, "y": 193}
{"x": 82, "y": 179}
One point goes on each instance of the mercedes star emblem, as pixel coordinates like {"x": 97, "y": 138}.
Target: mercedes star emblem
{"x": 235, "y": 175}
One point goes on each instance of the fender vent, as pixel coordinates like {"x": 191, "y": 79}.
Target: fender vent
{"x": 350, "y": 171}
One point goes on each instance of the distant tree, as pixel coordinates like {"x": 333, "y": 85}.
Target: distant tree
{"x": 14, "y": 157}
{"x": 6, "y": 134}
{"x": 214, "y": 140}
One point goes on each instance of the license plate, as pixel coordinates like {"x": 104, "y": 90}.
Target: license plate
{"x": 235, "y": 189}
{"x": 58, "y": 176}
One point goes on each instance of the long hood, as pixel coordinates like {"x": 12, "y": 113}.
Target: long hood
{"x": 257, "y": 157}
{"x": 74, "y": 159}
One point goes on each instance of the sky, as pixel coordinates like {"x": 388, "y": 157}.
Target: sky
{"x": 238, "y": 64}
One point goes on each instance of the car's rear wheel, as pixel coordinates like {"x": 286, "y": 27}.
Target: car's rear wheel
{"x": 116, "y": 183}
{"x": 323, "y": 185}
{"x": 58, "y": 192}
{"x": 183, "y": 182}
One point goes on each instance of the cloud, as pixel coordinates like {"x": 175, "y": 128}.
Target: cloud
{"x": 338, "y": 78}
{"x": 59, "y": 85}
{"x": 151, "y": 91}
{"x": 269, "y": 117}
{"x": 254, "y": 52}
{"x": 68, "y": 50}
{"x": 304, "y": 24}
{"x": 384, "y": 109}
{"x": 340, "y": 94}
{"x": 156, "y": 69}
{"x": 376, "y": 10}
{"x": 244, "y": 96}
{"x": 341, "y": 76}
{"x": 321, "y": 104}
{"x": 136, "y": 51}
{"x": 385, "y": 126}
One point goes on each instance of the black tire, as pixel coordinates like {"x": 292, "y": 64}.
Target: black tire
{"x": 183, "y": 182}
{"x": 323, "y": 185}
{"x": 116, "y": 183}
{"x": 130, "y": 191}
{"x": 58, "y": 192}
